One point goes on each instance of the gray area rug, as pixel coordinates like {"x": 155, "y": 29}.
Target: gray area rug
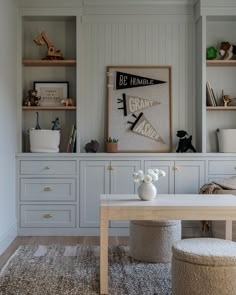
{"x": 74, "y": 270}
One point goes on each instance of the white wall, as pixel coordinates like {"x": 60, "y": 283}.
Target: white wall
{"x": 135, "y": 40}
{"x": 7, "y": 122}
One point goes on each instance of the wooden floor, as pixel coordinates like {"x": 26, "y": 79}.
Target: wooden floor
{"x": 56, "y": 240}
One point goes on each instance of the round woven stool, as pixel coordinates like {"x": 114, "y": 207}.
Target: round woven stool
{"x": 151, "y": 241}
{"x": 204, "y": 266}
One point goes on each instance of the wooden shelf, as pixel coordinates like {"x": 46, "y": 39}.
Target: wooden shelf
{"x": 49, "y": 108}
{"x": 48, "y": 63}
{"x": 221, "y": 63}
{"x": 221, "y": 108}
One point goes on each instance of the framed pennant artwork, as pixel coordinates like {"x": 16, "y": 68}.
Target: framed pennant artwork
{"x": 139, "y": 108}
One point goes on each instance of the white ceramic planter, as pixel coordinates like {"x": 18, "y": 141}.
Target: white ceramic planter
{"x": 227, "y": 140}
{"x": 147, "y": 191}
{"x": 44, "y": 141}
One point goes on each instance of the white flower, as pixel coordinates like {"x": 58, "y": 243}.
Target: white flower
{"x": 147, "y": 178}
{"x": 141, "y": 175}
{"x": 155, "y": 177}
{"x": 151, "y": 176}
{"x": 150, "y": 171}
{"x": 136, "y": 177}
{"x": 162, "y": 173}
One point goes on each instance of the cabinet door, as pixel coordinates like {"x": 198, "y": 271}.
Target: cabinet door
{"x": 94, "y": 180}
{"x": 189, "y": 176}
{"x": 165, "y": 185}
{"x": 122, "y": 182}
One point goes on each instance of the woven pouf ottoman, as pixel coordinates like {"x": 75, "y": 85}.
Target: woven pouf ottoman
{"x": 204, "y": 266}
{"x": 151, "y": 241}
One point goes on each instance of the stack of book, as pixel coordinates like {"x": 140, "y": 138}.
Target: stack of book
{"x": 210, "y": 96}
{"x": 71, "y": 146}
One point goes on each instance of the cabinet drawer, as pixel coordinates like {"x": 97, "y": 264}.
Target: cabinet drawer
{"x": 222, "y": 167}
{"x": 47, "y": 216}
{"x": 47, "y": 189}
{"x": 48, "y": 167}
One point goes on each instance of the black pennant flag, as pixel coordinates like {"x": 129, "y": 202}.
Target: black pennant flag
{"x": 124, "y": 81}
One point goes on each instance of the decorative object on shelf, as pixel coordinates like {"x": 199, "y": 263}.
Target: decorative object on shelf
{"x": 52, "y": 93}
{"x": 226, "y": 140}
{"x": 211, "y": 53}
{"x": 37, "y": 127}
{"x": 227, "y": 100}
{"x": 56, "y": 124}
{"x": 71, "y": 146}
{"x": 32, "y": 99}
{"x": 210, "y": 95}
{"x": 185, "y": 142}
{"x": 147, "y": 190}
{"x": 92, "y": 146}
{"x": 68, "y": 102}
{"x": 140, "y": 96}
{"x": 52, "y": 53}
{"x": 111, "y": 145}
{"x": 44, "y": 141}
{"x": 227, "y": 50}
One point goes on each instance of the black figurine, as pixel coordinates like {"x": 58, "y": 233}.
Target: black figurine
{"x": 92, "y": 146}
{"x": 185, "y": 142}
{"x": 37, "y": 121}
{"x": 56, "y": 124}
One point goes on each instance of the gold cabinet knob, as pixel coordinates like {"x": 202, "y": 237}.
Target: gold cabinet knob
{"x": 175, "y": 168}
{"x": 47, "y": 216}
{"x": 47, "y": 189}
{"x": 110, "y": 168}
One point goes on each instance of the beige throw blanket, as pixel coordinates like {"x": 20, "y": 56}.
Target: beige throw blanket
{"x": 212, "y": 188}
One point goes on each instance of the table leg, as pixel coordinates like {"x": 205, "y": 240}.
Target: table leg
{"x": 103, "y": 252}
{"x": 228, "y": 229}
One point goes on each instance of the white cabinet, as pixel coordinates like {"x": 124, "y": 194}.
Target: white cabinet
{"x": 165, "y": 185}
{"x": 122, "y": 182}
{"x": 47, "y": 190}
{"x": 189, "y": 176}
{"x": 94, "y": 180}
{"x": 99, "y": 177}
{"x": 182, "y": 177}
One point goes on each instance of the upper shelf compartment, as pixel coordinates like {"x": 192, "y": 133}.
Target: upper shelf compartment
{"x": 49, "y": 63}
{"x": 45, "y": 35}
{"x": 221, "y": 63}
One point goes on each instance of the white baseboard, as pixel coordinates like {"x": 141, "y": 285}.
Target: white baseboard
{"x": 7, "y": 237}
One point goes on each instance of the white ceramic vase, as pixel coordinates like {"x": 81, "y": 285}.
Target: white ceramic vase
{"x": 147, "y": 191}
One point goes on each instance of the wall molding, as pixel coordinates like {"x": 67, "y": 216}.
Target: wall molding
{"x": 7, "y": 237}
{"x": 137, "y": 2}
{"x": 134, "y": 19}
{"x": 156, "y": 7}
{"x": 49, "y": 3}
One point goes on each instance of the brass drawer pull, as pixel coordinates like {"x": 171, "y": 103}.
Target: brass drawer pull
{"x": 47, "y": 189}
{"x": 110, "y": 168}
{"x": 47, "y": 216}
{"x": 47, "y": 168}
{"x": 175, "y": 168}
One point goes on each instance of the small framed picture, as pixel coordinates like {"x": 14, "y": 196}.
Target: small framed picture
{"x": 51, "y": 93}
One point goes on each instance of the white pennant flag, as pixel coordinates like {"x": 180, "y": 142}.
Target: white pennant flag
{"x": 133, "y": 104}
{"x": 143, "y": 127}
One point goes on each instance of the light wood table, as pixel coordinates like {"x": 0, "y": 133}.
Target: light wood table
{"x": 164, "y": 207}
